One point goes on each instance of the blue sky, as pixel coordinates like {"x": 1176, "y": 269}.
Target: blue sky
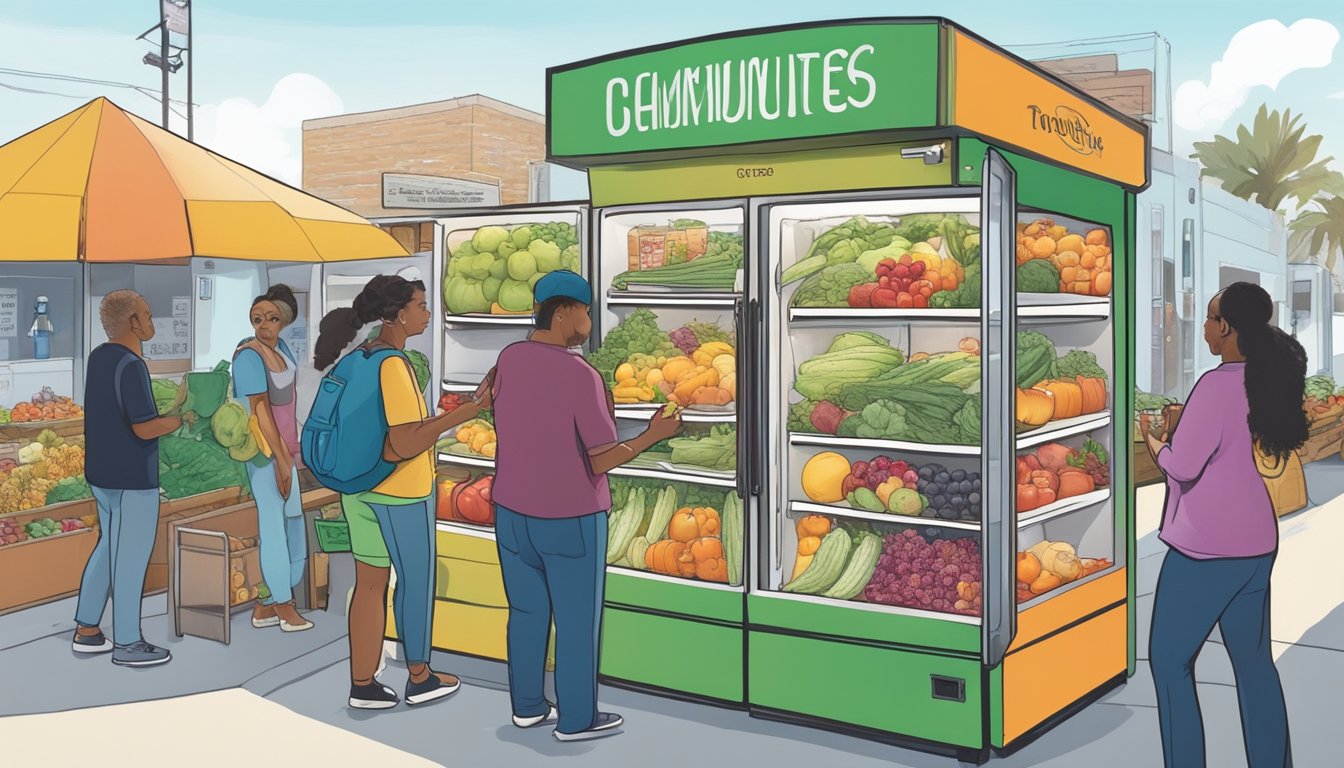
{"x": 354, "y": 55}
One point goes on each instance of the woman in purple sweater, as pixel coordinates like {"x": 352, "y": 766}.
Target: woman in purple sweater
{"x": 1220, "y": 526}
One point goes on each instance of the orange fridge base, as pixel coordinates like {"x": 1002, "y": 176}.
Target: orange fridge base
{"x": 1044, "y": 673}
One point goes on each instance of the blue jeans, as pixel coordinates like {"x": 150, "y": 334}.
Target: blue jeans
{"x": 408, "y": 531}
{"x": 280, "y": 529}
{"x": 554, "y": 567}
{"x": 127, "y": 523}
{"x": 1193, "y": 595}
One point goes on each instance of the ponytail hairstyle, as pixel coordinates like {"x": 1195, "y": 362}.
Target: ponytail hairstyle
{"x": 1276, "y": 370}
{"x": 382, "y": 298}
{"x": 282, "y": 296}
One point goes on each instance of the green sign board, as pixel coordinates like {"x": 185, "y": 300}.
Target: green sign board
{"x": 798, "y": 83}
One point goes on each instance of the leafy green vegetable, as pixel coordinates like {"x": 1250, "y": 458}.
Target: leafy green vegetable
{"x": 1144, "y": 401}
{"x": 968, "y": 422}
{"x": 1080, "y": 362}
{"x": 707, "y": 332}
{"x": 830, "y": 287}
{"x": 1320, "y": 387}
{"x": 687, "y": 224}
{"x": 229, "y": 425}
{"x": 841, "y": 244}
{"x": 638, "y": 333}
{"x": 919, "y": 227}
{"x": 1090, "y": 447}
{"x": 69, "y": 489}
{"x": 800, "y": 416}
{"x": 165, "y": 393}
{"x": 1038, "y": 276}
{"x": 717, "y": 450}
{"x": 420, "y": 364}
{"x": 188, "y": 466}
{"x": 882, "y": 419}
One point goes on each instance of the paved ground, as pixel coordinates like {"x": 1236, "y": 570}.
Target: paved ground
{"x": 292, "y": 691}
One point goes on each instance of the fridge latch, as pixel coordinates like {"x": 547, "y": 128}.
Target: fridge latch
{"x": 948, "y": 688}
{"x": 932, "y": 155}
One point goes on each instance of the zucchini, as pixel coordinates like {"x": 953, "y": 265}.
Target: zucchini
{"x": 733, "y": 537}
{"x": 826, "y": 565}
{"x": 860, "y": 569}
{"x": 663, "y": 509}
{"x": 625, "y": 526}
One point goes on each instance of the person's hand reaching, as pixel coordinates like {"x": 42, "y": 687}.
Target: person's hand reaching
{"x": 664, "y": 425}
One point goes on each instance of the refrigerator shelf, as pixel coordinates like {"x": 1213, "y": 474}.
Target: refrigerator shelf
{"x": 1062, "y": 507}
{"x": 466, "y": 461}
{"x": 1037, "y": 600}
{"x": 639, "y": 574}
{"x": 459, "y": 387}
{"x": 903, "y": 315}
{"x": 1058, "y": 430}
{"x": 507, "y": 321}
{"x": 831, "y": 441}
{"x": 721, "y": 299}
{"x": 690, "y": 415}
{"x": 808, "y": 507}
{"x": 717, "y": 481}
{"x": 1078, "y": 310}
{"x": 863, "y": 605}
{"x": 467, "y": 529}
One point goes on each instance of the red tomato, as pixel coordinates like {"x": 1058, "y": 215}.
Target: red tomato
{"x": 906, "y": 260}
{"x": 884, "y": 297}
{"x": 901, "y": 271}
{"x": 905, "y": 301}
{"x": 921, "y": 301}
{"x": 917, "y": 269}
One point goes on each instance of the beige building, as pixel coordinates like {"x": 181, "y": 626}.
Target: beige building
{"x": 419, "y": 155}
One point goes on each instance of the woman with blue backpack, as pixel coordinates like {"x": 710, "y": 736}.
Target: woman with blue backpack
{"x": 369, "y": 435}
{"x": 264, "y": 374}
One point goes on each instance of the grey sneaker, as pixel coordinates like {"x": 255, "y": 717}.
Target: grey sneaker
{"x": 550, "y": 717}
{"x": 605, "y": 725}
{"x": 140, "y": 654}
{"x": 90, "y": 644}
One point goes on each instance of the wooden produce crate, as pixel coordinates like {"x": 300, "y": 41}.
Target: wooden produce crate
{"x": 36, "y": 571}
{"x": 156, "y": 577}
{"x": 27, "y": 431}
{"x": 1323, "y": 442}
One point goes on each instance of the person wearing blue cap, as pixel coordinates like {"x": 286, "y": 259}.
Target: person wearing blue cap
{"x": 557, "y": 439}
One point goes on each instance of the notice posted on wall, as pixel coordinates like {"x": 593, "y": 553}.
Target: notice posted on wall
{"x": 172, "y": 339}
{"x": 9, "y": 312}
{"x": 181, "y": 306}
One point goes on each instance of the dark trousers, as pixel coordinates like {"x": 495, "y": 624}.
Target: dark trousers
{"x": 554, "y": 567}
{"x": 1193, "y": 595}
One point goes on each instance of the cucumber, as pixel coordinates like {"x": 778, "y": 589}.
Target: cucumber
{"x": 826, "y": 566}
{"x": 663, "y": 509}
{"x": 625, "y": 526}
{"x": 732, "y": 537}
{"x": 860, "y": 569}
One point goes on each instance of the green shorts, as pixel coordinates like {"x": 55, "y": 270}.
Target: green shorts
{"x": 366, "y": 536}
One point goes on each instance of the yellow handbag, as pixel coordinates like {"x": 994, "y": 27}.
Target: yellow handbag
{"x": 1284, "y": 479}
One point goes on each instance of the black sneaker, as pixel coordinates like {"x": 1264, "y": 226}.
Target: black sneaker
{"x": 605, "y": 725}
{"x": 140, "y": 654}
{"x": 375, "y": 695}
{"x": 91, "y": 644}
{"x": 431, "y": 689}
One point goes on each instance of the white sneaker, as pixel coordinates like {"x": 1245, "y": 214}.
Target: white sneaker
{"x": 530, "y": 722}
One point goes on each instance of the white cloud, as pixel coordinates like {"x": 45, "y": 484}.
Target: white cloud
{"x": 1262, "y": 54}
{"x": 1336, "y": 95}
{"x": 268, "y": 137}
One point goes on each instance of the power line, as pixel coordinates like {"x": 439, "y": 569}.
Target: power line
{"x": 151, "y": 92}
{"x": 40, "y": 92}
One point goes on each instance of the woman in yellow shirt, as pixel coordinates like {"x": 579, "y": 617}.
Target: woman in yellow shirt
{"x": 393, "y": 525}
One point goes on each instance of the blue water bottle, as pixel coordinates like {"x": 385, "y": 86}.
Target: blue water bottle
{"x": 41, "y": 330}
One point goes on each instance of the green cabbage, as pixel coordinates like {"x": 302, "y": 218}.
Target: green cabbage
{"x": 165, "y": 394}
{"x": 1038, "y": 276}
{"x": 515, "y": 296}
{"x": 421, "y": 365}
{"x": 488, "y": 238}
{"x": 523, "y": 264}
{"x": 229, "y": 425}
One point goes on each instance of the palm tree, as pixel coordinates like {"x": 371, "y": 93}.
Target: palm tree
{"x": 1316, "y": 228}
{"x": 1270, "y": 162}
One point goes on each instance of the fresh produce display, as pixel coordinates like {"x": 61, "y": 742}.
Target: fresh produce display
{"x": 472, "y": 502}
{"x": 240, "y": 588}
{"x": 12, "y": 532}
{"x": 886, "y": 485}
{"x": 474, "y": 438}
{"x": 1081, "y": 261}
{"x": 1144, "y": 401}
{"x": 1056, "y": 472}
{"x": 44, "y": 406}
{"x": 494, "y": 271}
{"x": 715, "y": 451}
{"x": 931, "y": 575}
{"x": 860, "y": 388}
{"x": 864, "y": 264}
{"x": 192, "y": 461}
{"x": 693, "y": 366}
{"x": 676, "y": 530}
{"x": 49, "y": 470}
{"x": 5, "y": 418}
{"x": 716, "y": 268}
{"x": 1053, "y": 387}
{"x": 1050, "y": 565}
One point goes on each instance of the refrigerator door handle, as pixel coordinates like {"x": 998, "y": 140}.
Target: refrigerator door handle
{"x": 743, "y": 426}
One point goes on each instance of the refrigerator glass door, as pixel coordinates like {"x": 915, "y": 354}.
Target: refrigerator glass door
{"x": 998, "y": 325}
{"x": 871, "y": 404}
{"x": 671, "y": 318}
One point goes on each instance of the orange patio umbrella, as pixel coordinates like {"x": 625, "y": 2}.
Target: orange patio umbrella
{"x": 103, "y": 185}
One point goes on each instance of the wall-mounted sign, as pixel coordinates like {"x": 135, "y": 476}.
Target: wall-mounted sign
{"x": 172, "y": 339}
{"x": 9, "y": 311}
{"x": 410, "y": 191}
{"x": 820, "y": 81}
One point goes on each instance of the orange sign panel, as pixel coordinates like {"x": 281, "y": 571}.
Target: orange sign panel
{"x": 1001, "y": 98}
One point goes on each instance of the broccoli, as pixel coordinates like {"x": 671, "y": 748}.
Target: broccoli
{"x": 1037, "y": 276}
{"x": 919, "y": 227}
{"x": 830, "y": 287}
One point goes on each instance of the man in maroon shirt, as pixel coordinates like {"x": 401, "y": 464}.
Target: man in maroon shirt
{"x": 557, "y": 439}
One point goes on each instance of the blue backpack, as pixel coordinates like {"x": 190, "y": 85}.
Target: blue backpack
{"x": 344, "y": 435}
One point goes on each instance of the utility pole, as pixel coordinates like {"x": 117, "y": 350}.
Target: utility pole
{"x": 163, "y": 66}
{"x": 191, "y": 66}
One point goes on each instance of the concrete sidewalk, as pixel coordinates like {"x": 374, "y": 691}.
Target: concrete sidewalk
{"x": 309, "y": 681}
